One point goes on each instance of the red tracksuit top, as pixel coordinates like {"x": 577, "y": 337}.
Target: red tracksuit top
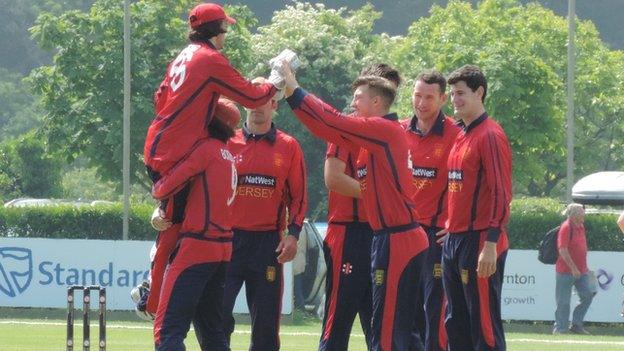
{"x": 340, "y": 208}
{"x": 271, "y": 180}
{"x": 479, "y": 179}
{"x": 387, "y": 190}
{"x": 186, "y": 99}
{"x": 210, "y": 167}
{"x": 429, "y": 157}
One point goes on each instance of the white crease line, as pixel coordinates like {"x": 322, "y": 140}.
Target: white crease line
{"x": 247, "y": 332}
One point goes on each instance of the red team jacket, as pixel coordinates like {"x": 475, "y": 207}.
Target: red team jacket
{"x": 429, "y": 156}
{"x": 210, "y": 167}
{"x": 387, "y": 189}
{"x": 271, "y": 179}
{"x": 340, "y": 208}
{"x": 479, "y": 179}
{"x": 186, "y": 99}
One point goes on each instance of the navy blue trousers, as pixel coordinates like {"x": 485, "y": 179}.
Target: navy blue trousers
{"x": 254, "y": 262}
{"x": 473, "y": 318}
{"x": 347, "y": 250}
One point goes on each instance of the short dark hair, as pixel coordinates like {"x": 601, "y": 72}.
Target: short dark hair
{"x": 432, "y": 76}
{"x": 382, "y": 70}
{"x": 219, "y": 130}
{"x": 206, "y": 31}
{"x": 379, "y": 86}
{"x": 472, "y": 75}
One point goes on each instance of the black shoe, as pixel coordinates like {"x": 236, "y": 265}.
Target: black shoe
{"x": 577, "y": 329}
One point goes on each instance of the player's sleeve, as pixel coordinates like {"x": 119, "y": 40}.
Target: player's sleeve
{"x": 330, "y": 125}
{"x": 298, "y": 196}
{"x": 496, "y": 161}
{"x": 341, "y": 152}
{"x": 195, "y": 163}
{"x": 231, "y": 83}
{"x": 563, "y": 236}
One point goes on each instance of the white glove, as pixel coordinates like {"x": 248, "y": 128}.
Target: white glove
{"x": 276, "y": 79}
{"x": 288, "y": 56}
{"x": 159, "y": 222}
{"x": 276, "y": 63}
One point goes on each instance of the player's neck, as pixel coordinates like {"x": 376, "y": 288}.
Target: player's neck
{"x": 380, "y": 112}
{"x": 259, "y": 128}
{"x": 425, "y": 124}
{"x": 473, "y": 116}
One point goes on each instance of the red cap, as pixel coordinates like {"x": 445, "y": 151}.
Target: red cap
{"x": 208, "y": 12}
{"x": 227, "y": 112}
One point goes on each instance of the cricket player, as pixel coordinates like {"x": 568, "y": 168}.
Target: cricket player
{"x": 193, "y": 286}
{"x": 430, "y": 135}
{"x": 347, "y": 243}
{"x": 479, "y": 194}
{"x": 185, "y": 103}
{"x": 271, "y": 196}
{"x": 399, "y": 243}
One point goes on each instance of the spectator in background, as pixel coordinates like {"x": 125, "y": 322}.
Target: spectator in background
{"x": 572, "y": 271}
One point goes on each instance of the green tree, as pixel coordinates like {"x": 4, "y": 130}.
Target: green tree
{"x": 20, "y": 54}
{"x": 28, "y": 168}
{"x": 19, "y": 108}
{"x": 332, "y": 46}
{"x": 82, "y": 92}
{"x": 522, "y": 50}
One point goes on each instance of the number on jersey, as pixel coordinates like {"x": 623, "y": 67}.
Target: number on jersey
{"x": 177, "y": 72}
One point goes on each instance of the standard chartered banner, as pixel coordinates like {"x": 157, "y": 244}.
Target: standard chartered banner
{"x": 529, "y": 287}
{"x": 36, "y": 272}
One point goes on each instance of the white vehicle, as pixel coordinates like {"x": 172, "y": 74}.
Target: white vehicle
{"x": 28, "y": 202}
{"x": 25, "y": 202}
{"x": 602, "y": 188}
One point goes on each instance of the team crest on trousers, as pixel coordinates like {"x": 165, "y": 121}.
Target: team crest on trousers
{"x": 347, "y": 268}
{"x": 437, "y": 270}
{"x": 379, "y": 276}
{"x": 270, "y": 273}
{"x": 464, "y": 276}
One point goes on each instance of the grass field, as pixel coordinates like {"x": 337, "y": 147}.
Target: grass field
{"x": 302, "y": 334}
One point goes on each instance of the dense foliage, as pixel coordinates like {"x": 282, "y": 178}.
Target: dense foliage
{"x": 522, "y": 49}
{"x": 530, "y": 219}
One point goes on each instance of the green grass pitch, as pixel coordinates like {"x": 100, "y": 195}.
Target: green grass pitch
{"x": 302, "y": 334}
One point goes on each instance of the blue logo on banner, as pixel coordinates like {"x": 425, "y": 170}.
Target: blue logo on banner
{"x": 16, "y": 268}
{"x": 604, "y": 279}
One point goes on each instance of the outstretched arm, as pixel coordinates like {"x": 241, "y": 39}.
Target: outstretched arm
{"x": 329, "y": 124}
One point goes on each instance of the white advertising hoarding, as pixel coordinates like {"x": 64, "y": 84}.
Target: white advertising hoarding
{"x": 36, "y": 272}
{"x": 529, "y": 287}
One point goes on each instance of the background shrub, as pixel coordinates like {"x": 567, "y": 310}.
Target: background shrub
{"x": 530, "y": 219}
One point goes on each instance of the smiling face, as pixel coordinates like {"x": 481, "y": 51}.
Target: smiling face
{"x": 467, "y": 104}
{"x": 427, "y": 100}
{"x": 363, "y": 103}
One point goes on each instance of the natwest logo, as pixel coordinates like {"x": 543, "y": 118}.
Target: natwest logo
{"x": 455, "y": 175}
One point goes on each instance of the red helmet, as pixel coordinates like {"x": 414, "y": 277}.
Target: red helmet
{"x": 227, "y": 112}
